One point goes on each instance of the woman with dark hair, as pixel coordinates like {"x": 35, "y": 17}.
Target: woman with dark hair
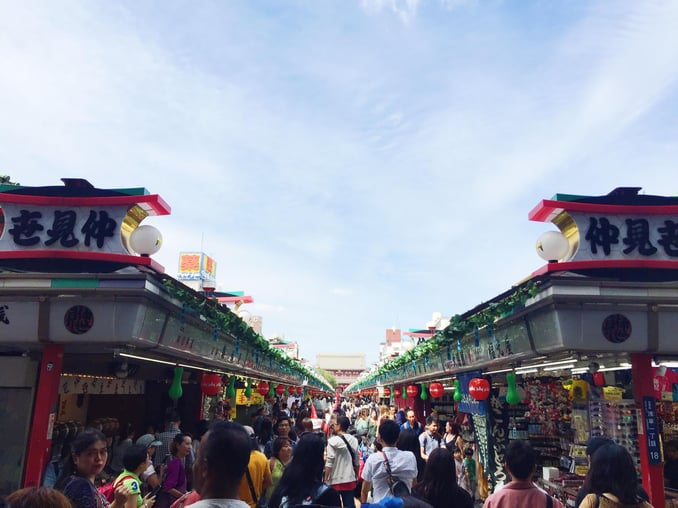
{"x": 282, "y": 455}
{"x": 452, "y": 438}
{"x": 439, "y": 486}
{"x": 175, "y": 481}
{"x": 87, "y": 459}
{"x": 409, "y": 441}
{"x": 302, "y": 481}
{"x": 612, "y": 480}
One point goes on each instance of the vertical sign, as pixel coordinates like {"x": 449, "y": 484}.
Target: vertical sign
{"x": 651, "y": 434}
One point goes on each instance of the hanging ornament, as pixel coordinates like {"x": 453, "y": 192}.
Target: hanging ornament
{"x": 423, "y": 395}
{"x": 387, "y": 391}
{"x": 271, "y": 391}
{"x": 457, "y": 391}
{"x": 397, "y": 392}
{"x": 175, "y": 391}
{"x": 404, "y": 393}
{"x": 436, "y": 390}
{"x": 210, "y": 384}
{"x": 230, "y": 391}
{"x": 412, "y": 391}
{"x": 512, "y": 396}
{"x": 280, "y": 390}
{"x": 248, "y": 389}
{"x": 479, "y": 388}
{"x": 262, "y": 388}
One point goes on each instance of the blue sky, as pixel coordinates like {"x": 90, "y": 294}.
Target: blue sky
{"x": 353, "y": 165}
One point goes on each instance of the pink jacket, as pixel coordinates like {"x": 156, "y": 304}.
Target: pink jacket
{"x": 517, "y": 494}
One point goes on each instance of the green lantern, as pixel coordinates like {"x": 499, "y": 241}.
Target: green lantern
{"x": 512, "y": 397}
{"x": 404, "y": 392}
{"x": 457, "y": 391}
{"x": 423, "y": 395}
{"x": 175, "y": 390}
{"x": 271, "y": 390}
{"x": 248, "y": 389}
{"x": 230, "y": 391}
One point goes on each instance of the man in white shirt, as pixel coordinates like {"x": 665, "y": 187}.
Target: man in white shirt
{"x": 343, "y": 462}
{"x": 403, "y": 465}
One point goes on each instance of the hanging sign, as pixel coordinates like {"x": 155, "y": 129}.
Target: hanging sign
{"x": 651, "y": 432}
{"x": 468, "y": 404}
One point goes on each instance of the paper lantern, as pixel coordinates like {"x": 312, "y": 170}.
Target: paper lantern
{"x": 210, "y": 384}
{"x": 479, "y": 388}
{"x": 387, "y": 391}
{"x": 145, "y": 240}
{"x": 397, "y": 392}
{"x": 423, "y": 395}
{"x": 436, "y": 390}
{"x": 457, "y": 391}
{"x": 248, "y": 389}
{"x": 175, "y": 391}
{"x": 412, "y": 390}
{"x": 230, "y": 391}
{"x": 262, "y": 388}
{"x": 280, "y": 390}
{"x": 512, "y": 396}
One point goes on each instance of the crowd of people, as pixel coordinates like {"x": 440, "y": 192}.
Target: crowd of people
{"x": 285, "y": 458}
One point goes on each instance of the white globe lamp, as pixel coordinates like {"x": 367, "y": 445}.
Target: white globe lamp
{"x": 146, "y": 240}
{"x": 552, "y": 246}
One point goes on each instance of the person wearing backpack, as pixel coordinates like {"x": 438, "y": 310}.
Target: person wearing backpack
{"x": 388, "y": 469}
{"x": 343, "y": 462}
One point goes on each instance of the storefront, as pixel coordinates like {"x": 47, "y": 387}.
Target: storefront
{"x": 608, "y": 296}
{"x": 92, "y": 331}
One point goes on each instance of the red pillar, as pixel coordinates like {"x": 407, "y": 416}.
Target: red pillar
{"x": 44, "y": 414}
{"x": 653, "y": 474}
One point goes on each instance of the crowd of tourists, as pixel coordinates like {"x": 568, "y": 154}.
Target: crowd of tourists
{"x": 351, "y": 455}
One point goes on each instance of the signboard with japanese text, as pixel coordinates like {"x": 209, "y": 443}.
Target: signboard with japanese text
{"x": 627, "y": 236}
{"x": 468, "y": 404}
{"x": 71, "y": 228}
{"x": 196, "y": 266}
{"x": 651, "y": 430}
{"x": 240, "y": 399}
{"x": 19, "y": 321}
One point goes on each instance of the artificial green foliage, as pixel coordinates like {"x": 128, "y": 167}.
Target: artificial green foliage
{"x": 459, "y": 328}
{"x": 229, "y": 323}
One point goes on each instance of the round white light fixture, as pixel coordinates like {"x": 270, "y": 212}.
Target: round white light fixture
{"x": 145, "y": 240}
{"x": 552, "y": 246}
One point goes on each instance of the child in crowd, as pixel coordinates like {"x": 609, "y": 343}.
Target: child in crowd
{"x": 462, "y": 474}
{"x": 470, "y": 466}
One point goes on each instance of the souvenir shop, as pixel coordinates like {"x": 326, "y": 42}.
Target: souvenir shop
{"x": 584, "y": 347}
{"x": 93, "y": 332}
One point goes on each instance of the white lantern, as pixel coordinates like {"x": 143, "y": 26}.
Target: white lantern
{"x": 552, "y": 246}
{"x": 146, "y": 240}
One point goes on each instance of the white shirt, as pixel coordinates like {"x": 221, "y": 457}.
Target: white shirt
{"x": 403, "y": 467}
{"x": 220, "y": 503}
{"x": 150, "y": 470}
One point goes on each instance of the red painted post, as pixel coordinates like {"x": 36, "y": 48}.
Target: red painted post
{"x": 44, "y": 414}
{"x": 652, "y": 474}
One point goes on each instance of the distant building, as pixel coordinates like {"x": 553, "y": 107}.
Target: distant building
{"x": 289, "y": 347}
{"x": 345, "y": 367}
{"x": 394, "y": 346}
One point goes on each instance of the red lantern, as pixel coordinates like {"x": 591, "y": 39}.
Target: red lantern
{"x": 300, "y": 390}
{"x": 210, "y": 384}
{"x": 436, "y": 390}
{"x": 479, "y": 388}
{"x": 262, "y": 388}
{"x": 397, "y": 392}
{"x": 280, "y": 389}
{"x": 412, "y": 390}
{"x": 387, "y": 391}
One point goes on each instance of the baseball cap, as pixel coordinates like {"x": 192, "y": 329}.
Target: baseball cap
{"x": 148, "y": 440}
